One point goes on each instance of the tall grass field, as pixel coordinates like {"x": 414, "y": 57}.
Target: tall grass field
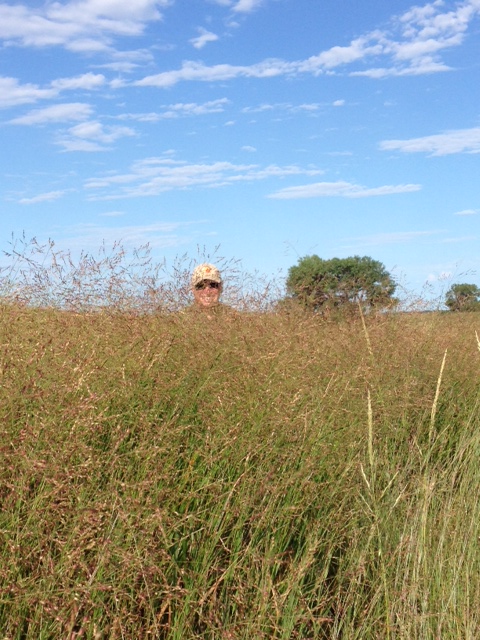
{"x": 260, "y": 476}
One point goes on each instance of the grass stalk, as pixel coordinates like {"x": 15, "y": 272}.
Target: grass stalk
{"x": 435, "y": 400}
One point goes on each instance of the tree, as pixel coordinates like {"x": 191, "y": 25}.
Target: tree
{"x": 340, "y": 282}
{"x": 463, "y": 297}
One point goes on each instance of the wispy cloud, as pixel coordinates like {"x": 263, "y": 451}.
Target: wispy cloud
{"x": 467, "y": 212}
{"x": 56, "y": 113}
{"x": 130, "y": 60}
{"x": 442, "y": 144}
{"x": 12, "y": 93}
{"x": 86, "y": 81}
{"x": 460, "y": 239}
{"x": 340, "y": 154}
{"x": 246, "y": 6}
{"x": 87, "y": 237}
{"x": 153, "y": 176}
{"x": 194, "y": 109}
{"x": 43, "y": 197}
{"x": 203, "y": 38}
{"x": 307, "y": 107}
{"x": 421, "y": 67}
{"x": 340, "y": 189}
{"x": 91, "y": 136}
{"x": 411, "y": 46}
{"x": 197, "y": 71}
{"x": 179, "y": 110}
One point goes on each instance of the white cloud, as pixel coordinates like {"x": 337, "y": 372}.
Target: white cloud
{"x": 412, "y": 46}
{"x": 204, "y": 38}
{"x": 246, "y": 6}
{"x": 197, "y": 71}
{"x": 12, "y": 93}
{"x": 467, "y": 212}
{"x": 195, "y": 109}
{"x": 337, "y": 56}
{"x": 282, "y": 106}
{"x": 153, "y": 176}
{"x": 422, "y": 48}
{"x": 442, "y": 144}
{"x": 459, "y": 239}
{"x": 43, "y": 197}
{"x": 56, "y": 113}
{"x": 78, "y": 144}
{"x": 420, "y": 67}
{"x": 87, "y": 81}
{"x": 248, "y": 148}
{"x": 429, "y": 29}
{"x": 92, "y": 136}
{"x": 94, "y": 130}
{"x": 429, "y": 21}
{"x": 340, "y": 189}
{"x": 121, "y": 66}
{"x": 141, "y": 117}
{"x": 127, "y": 61}
{"x": 78, "y": 25}
{"x": 179, "y": 110}
{"x": 316, "y": 65}
{"x": 307, "y": 107}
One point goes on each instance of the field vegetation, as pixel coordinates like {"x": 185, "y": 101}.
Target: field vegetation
{"x": 273, "y": 475}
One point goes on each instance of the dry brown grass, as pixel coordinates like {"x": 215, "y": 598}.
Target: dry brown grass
{"x": 171, "y": 477}
{"x": 260, "y": 475}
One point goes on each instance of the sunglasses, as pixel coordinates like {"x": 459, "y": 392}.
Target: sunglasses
{"x": 207, "y": 285}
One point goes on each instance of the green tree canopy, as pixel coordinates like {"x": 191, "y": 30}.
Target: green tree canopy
{"x": 463, "y": 297}
{"x": 318, "y": 284}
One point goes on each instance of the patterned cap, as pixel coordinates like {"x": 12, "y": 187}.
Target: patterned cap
{"x": 206, "y": 272}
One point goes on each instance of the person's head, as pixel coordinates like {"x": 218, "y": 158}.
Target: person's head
{"x": 206, "y": 285}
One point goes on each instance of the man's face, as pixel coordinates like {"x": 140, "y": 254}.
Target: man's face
{"x": 207, "y": 293}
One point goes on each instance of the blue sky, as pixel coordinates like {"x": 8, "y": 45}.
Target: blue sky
{"x": 272, "y": 128}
